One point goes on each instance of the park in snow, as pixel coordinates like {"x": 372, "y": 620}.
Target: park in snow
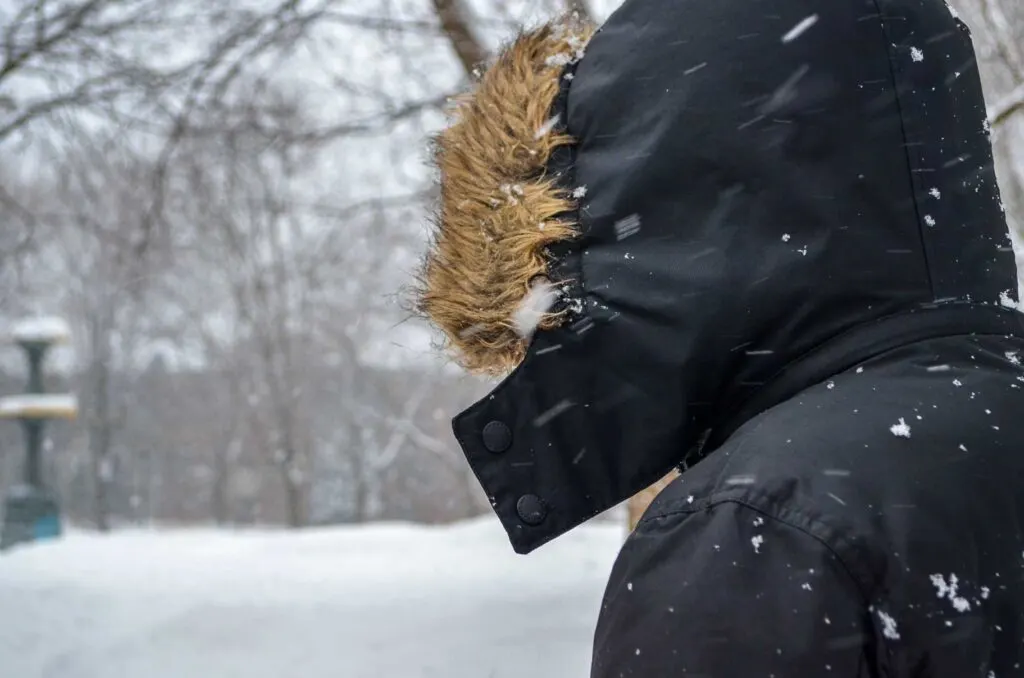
{"x": 383, "y": 601}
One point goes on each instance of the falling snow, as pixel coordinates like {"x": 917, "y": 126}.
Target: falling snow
{"x": 935, "y": 193}
{"x": 545, "y": 417}
{"x": 757, "y": 540}
{"x": 548, "y": 125}
{"x": 900, "y": 429}
{"x": 579, "y": 192}
{"x": 800, "y": 28}
{"x": 786, "y": 237}
{"x": 929, "y": 220}
{"x": 535, "y": 304}
{"x": 626, "y": 227}
{"x": 916, "y": 54}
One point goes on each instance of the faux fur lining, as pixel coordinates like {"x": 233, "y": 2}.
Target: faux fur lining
{"x": 500, "y": 209}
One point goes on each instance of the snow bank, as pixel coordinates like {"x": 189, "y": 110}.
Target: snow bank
{"x": 391, "y": 601}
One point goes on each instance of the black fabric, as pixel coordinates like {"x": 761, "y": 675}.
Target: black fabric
{"x": 814, "y": 315}
{"x": 816, "y": 541}
{"x": 787, "y": 191}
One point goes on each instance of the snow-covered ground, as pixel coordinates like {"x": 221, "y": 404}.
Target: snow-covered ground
{"x": 389, "y": 601}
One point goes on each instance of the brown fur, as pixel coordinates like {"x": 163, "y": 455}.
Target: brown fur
{"x": 498, "y": 209}
{"x": 639, "y": 502}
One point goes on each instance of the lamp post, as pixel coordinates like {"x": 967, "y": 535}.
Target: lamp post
{"x": 30, "y": 510}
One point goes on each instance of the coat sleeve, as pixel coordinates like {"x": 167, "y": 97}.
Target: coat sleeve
{"x": 726, "y": 592}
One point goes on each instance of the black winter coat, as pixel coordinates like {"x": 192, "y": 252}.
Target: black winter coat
{"x": 813, "y": 315}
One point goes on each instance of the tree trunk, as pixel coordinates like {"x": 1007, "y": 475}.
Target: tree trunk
{"x": 294, "y": 497}
{"x": 218, "y": 491}
{"x": 100, "y": 422}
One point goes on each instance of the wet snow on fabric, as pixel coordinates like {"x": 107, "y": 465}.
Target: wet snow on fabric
{"x": 579, "y": 192}
{"x": 757, "y": 541}
{"x": 900, "y": 429}
{"x": 889, "y": 629}
{"x": 800, "y": 28}
{"x": 1007, "y": 301}
{"x": 916, "y": 54}
{"x": 949, "y": 590}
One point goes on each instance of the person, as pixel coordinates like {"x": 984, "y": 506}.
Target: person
{"x": 761, "y": 242}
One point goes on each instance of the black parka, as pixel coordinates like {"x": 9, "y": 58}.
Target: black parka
{"x": 811, "y": 313}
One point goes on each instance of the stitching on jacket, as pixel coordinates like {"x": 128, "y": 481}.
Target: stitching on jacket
{"x": 893, "y": 70}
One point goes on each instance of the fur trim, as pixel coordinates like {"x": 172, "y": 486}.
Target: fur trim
{"x": 499, "y": 210}
{"x": 638, "y": 503}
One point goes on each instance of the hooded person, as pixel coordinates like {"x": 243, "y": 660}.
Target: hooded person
{"x": 760, "y": 241}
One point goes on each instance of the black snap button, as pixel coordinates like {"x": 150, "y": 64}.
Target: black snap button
{"x": 497, "y": 437}
{"x": 531, "y": 509}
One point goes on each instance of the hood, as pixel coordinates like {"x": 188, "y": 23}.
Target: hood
{"x": 748, "y": 197}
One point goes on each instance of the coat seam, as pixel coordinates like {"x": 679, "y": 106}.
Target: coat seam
{"x": 893, "y": 68}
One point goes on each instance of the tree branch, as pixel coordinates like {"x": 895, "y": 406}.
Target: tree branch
{"x": 1006, "y": 107}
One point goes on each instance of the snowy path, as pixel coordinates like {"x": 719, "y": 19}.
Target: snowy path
{"x": 382, "y": 602}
